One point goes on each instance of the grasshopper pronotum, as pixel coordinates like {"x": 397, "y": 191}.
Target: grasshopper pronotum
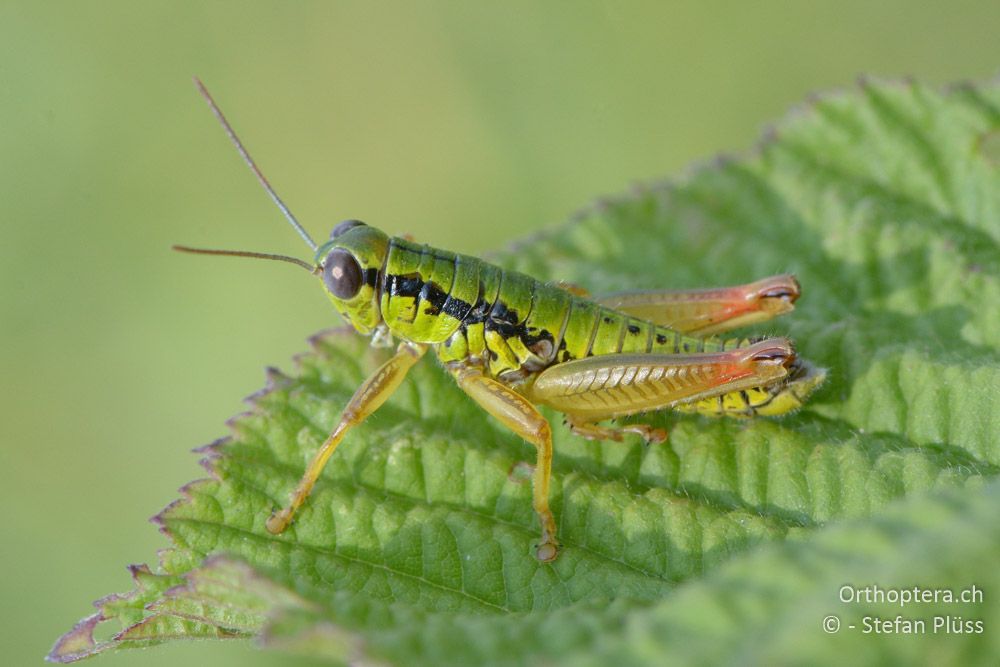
{"x": 512, "y": 342}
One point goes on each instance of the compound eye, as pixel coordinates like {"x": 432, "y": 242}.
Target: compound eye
{"x": 342, "y": 274}
{"x": 344, "y": 226}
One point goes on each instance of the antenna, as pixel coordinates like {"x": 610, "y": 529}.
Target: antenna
{"x": 253, "y": 165}
{"x": 246, "y": 253}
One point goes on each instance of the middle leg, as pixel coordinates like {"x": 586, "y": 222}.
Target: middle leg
{"x": 520, "y": 416}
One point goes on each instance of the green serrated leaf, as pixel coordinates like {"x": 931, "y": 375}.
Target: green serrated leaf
{"x": 416, "y": 545}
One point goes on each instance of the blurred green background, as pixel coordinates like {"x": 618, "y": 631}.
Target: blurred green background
{"x": 462, "y": 124}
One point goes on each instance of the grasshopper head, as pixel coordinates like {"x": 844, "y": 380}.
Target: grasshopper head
{"x": 350, "y": 265}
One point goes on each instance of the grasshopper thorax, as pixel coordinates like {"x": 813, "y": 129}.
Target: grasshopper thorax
{"x": 350, "y": 265}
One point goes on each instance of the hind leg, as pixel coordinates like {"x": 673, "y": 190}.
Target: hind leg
{"x": 592, "y": 431}
{"x": 709, "y": 311}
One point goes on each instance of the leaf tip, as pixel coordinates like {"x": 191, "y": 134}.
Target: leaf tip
{"x": 78, "y": 643}
{"x": 769, "y": 135}
{"x": 212, "y": 448}
{"x": 319, "y": 341}
{"x": 159, "y": 519}
{"x": 723, "y": 160}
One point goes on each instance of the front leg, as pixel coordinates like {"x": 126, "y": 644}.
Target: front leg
{"x": 520, "y": 416}
{"x": 372, "y": 393}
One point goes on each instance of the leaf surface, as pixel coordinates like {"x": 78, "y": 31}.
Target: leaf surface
{"x": 729, "y": 542}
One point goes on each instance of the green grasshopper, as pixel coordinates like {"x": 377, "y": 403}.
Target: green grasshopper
{"x": 512, "y": 343}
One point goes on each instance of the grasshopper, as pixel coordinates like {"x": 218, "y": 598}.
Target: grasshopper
{"x": 513, "y": 343}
